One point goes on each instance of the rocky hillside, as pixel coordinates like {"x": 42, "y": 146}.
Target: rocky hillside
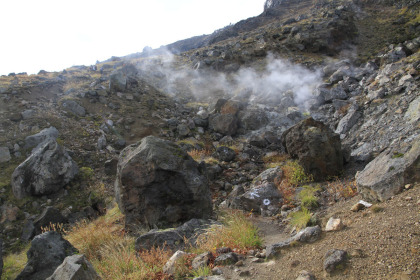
{"x": 292, "y": 116}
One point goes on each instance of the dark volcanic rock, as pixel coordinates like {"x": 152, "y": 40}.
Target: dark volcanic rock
{"x": 1, "y": 257}
{"x": 226, "y": 259}
{"x": 334, "y": 260}
{"x": 50, "y": 215}
{"x": 316, "y": 147}
{"x": 158, "y": 184}
{"x": 48, "y": 169}
{"x": 173, "y": 238}
{"x": 225, "y": 154}
{"x": 252, "y": 119}
{"x": 226, "y": 124}
{"x": 47, "y": 252}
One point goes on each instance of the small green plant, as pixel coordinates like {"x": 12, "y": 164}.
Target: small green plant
{"x": 14, "y": 264}
{"x": 301, "y": 218}
{"x": 203, "y": 271}
{"x": 307, "y": 197}
{"x": 397, "y": 155}
{"x": 86, "y": 173}
{"x": 376, "y": 208}
{"x": 237, "y": 231}
{"x": 294, "y": 174}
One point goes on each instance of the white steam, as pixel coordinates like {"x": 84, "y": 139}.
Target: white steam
{"x": 278, "y": 82}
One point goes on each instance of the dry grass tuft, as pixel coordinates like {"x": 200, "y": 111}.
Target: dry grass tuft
{"x": 203, "y": 155}
{"x": 111, "y": 251}
{"x": 271, "y": 161}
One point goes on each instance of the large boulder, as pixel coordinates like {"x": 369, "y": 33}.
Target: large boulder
{"x": 158, "y": 184}
{"x": 75, "y": 267}
{"x": 317, "y": 148}
{"x": 386, "y": 175}
{"x": 47, "y": 170}
{"x": 47, "y": 252}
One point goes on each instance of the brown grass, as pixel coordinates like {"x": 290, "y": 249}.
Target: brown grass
{"x": 111, "y": 251}
{"x": 342, "y": 188}
{"x": 202, "y": 155}
{"x": 293, "y": 176}
{"x": 275, "y": 160}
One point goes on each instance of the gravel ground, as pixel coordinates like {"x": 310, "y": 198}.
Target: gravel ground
{"x": 381, "y": 245}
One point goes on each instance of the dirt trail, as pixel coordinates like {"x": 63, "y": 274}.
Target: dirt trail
{"x": 381, "y": 245}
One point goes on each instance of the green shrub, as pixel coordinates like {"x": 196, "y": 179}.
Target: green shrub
{"x": 301, "y": 218}
{"x": 86, "y": 173}
{"x": 307, "y": 197}
{"x": 236, "y": 231}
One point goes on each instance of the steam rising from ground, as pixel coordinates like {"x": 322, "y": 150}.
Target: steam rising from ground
{"x": 279, "y": 80}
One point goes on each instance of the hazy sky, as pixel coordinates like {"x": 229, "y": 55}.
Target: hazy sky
{"x": 56, "y": 34}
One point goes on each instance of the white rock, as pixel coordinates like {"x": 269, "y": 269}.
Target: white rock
{"x": 170, "y": 265}
{"x": 334, "y": 224}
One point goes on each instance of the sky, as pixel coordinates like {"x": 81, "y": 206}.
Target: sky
{"x": 55, "y": 34}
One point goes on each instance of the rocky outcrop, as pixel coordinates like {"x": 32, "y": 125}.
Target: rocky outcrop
{"x": 75, "y": 267}
{"x": 158, "y": 184}
{"x": 386, "y": 175}
{"x": 47, "y": 170}
{"x": 316, "y": 147}
{"x": 47, "y": 252}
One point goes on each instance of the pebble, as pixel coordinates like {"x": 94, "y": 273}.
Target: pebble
{"x": 257, "y": 260}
